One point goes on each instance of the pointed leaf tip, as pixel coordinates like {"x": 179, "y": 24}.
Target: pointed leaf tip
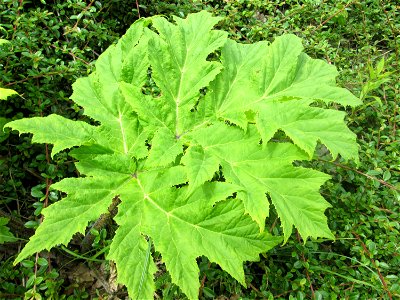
{"x": 54, "y": 129}
{"x": 5, "y": 93}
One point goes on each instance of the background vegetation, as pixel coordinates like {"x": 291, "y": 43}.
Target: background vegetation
{"x": 55, "y": 42}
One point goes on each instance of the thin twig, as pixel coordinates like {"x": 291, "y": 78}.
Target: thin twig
{"x": 396, "y": 48}
{"x": 73, "y": 55}
{"x": 82, "y": 13}
{"x": 307, "y": 274}
{"x": 361, "y": 173}
{"x": 255, "y": 289}
{"x": 20, "y": 5}
{"x": 374, "y": 263}
{"x": 137, "y": 7}
{"x": 203, "y": 280}
{"x": 33, "y": 173}
{"x": 392, "y": 29}
{"x": 332, "y": 16}
{"x": 273, "y": 224}
{"x": 35, "y": 77}
{"x": 46, "y": 199}
{"x": 17, "y": 226}
{"x": 35, "y": 270}
{"x": 78, "y": 58}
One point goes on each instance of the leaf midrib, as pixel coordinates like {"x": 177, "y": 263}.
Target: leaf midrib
{"x": 169, "y": 214}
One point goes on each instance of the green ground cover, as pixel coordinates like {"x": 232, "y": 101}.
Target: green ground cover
{"x": 53, "y": 43}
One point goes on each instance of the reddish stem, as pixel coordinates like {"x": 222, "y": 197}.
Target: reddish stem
{"x": 374, "y": 263}
{"x": 307, "y": 274}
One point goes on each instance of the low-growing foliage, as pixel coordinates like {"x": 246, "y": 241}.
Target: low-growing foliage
{"x": 5, "y": 234}
{"x": 5, "y": 93}
{"x": 197, "y": 164}
{"x": 362, "y": 262}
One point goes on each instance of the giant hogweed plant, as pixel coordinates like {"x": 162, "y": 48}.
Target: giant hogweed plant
{"x": 196, "y": 167}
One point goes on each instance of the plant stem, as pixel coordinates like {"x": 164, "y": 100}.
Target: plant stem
{"x": 100, "y": 223}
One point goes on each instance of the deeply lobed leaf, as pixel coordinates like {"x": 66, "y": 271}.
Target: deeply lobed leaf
{"x": 196, "y": 167}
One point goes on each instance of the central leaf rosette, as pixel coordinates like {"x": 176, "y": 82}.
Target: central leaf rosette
{"x": 195, "y": 167}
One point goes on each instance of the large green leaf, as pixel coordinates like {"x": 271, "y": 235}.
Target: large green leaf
{"x": 182, "y": 69}
{"x": 278, "y": 82}
{"x": 197, "y": 166}
{"x": 268, "y": 170}
{"x": 101, "y": 97}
